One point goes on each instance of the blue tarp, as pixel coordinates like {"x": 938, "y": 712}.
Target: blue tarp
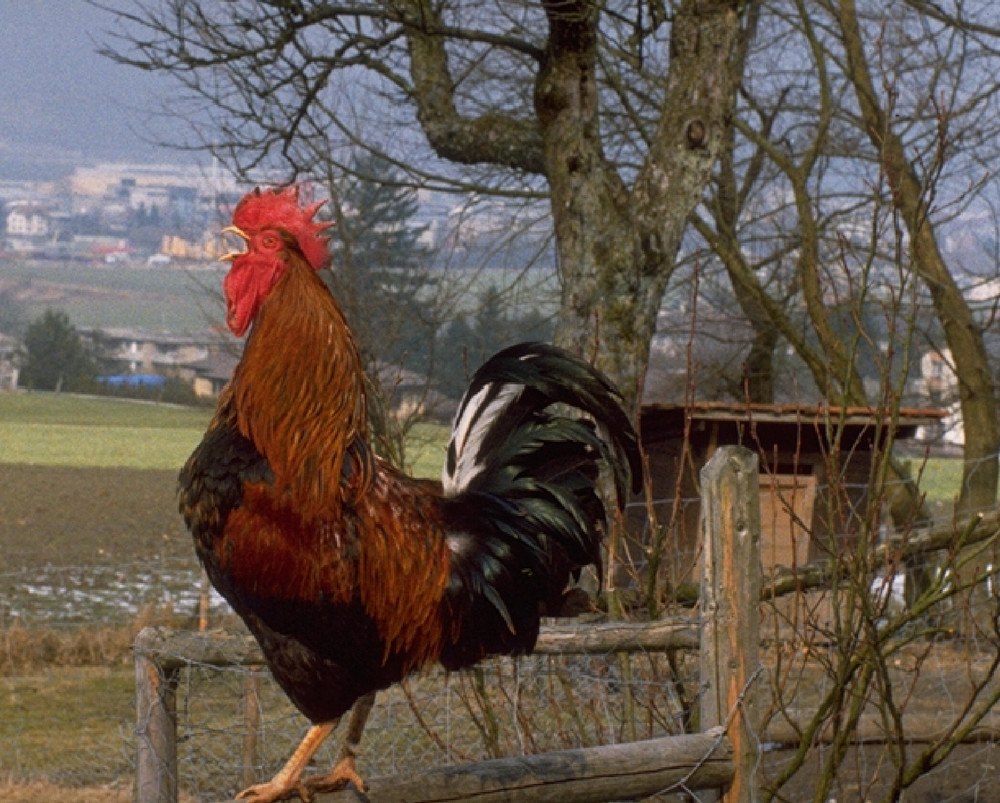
{"x": 134, "y": 380}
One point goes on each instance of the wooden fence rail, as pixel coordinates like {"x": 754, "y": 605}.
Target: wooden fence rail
{"x": 630, "y": 771}
{"x": 721, "y": 757}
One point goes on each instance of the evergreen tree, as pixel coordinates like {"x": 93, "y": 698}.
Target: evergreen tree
{"x": 380, "y": 277}
{"x": 468, "y": 341}
{"x": 12, "y": 315}
{"x": 380, "y": 269}
{"x": 55, "y": 357}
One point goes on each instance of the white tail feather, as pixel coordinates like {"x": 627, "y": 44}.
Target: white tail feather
{"x": 476, "y": 416}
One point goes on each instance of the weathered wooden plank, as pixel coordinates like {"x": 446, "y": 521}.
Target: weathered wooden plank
{"x": 172, "y": 649}
{"x": 598, "y": 639}
{"x": 785, "y": 730}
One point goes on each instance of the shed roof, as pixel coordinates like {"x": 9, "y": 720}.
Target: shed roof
{"x": 662, "y": 419}
{"x": 218, "y": 366}
{"x": 740, "y": 411}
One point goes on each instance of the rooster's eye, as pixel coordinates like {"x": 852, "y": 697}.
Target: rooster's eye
{"x": 270, "y": 241}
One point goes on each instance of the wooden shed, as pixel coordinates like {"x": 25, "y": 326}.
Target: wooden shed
{"x": 815, "y": 467}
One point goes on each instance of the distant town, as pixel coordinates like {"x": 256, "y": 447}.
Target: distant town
{"x": 161, "y": 213}
{"x": 117, "y": 212}
{"x": 124, "y": 214}
{"x": 169, "y": 217}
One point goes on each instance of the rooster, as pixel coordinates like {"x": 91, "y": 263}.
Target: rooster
{"x": 349, "y": 573}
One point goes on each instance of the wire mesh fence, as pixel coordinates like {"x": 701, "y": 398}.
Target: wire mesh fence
{"x": 235, "y": 727}
{"x": 548, "y": 702}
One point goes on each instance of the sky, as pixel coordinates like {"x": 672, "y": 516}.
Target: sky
{"x": 62, "y": 104}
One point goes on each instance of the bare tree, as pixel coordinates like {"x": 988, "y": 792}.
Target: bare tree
{"x": 847, "y": 169}
{"x": 615, "y": 112}
{"x": 841, "y": 178}
{"x": 910, "y": 180}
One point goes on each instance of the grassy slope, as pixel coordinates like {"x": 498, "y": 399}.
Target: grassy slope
{"x": 63, "y": 430}
{"x": 46, "y": 429}
{"x": 172, "y": 299}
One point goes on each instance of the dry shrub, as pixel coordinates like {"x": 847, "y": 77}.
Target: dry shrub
{"x": 28, "y": 649}
{"x": 15, "y": 791}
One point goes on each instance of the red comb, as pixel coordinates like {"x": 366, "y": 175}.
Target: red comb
{"x": 272, "y": 208}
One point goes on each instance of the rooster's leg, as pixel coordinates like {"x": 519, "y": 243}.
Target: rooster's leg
{"x": 286, "y": 783}
{"x": 345, "y": 771}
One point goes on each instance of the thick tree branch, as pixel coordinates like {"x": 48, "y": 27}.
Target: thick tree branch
{"x": 493, "y": 138}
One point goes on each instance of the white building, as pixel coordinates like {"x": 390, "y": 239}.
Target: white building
{"x": 28, "y": 219}
{"x": 31, "y": 227}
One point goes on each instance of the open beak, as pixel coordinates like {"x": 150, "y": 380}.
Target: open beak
{"x": 229, "y": 257}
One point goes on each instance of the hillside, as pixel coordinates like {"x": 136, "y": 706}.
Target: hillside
{"x": 97, "y": 295}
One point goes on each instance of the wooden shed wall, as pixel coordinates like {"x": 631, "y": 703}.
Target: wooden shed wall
{"x": 812, "y": 497}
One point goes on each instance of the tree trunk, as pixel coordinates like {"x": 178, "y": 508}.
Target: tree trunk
{"x": 617, "y": 247}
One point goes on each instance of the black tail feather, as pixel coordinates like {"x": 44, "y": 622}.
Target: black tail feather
{"x": 524, "y": 510}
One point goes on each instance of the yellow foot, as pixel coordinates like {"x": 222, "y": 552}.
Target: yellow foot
{"x": 271, "y": 792}
{"x": 344, "y": 773}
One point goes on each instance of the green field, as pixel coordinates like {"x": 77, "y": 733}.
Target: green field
{"x": 62, "y": 430}
{"x": 180, "y": 299}
{"x": 940, "y": 479}
{"x": 46, "y": 429}
{"x": 67, "y": 430}
{"x": 425, "y": 449}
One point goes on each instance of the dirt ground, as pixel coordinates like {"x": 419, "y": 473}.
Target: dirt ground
{"x": 970, "y": 775}
{"x": 82, "y": 516}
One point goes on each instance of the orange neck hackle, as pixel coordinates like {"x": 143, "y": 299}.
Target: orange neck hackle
{"x": 299, "y": 388}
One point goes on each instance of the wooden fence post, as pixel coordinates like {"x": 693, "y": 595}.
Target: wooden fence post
{"x": 155, "y": 729}
{"x": 251, "y": 726}
{"x": 730, "y": 596}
